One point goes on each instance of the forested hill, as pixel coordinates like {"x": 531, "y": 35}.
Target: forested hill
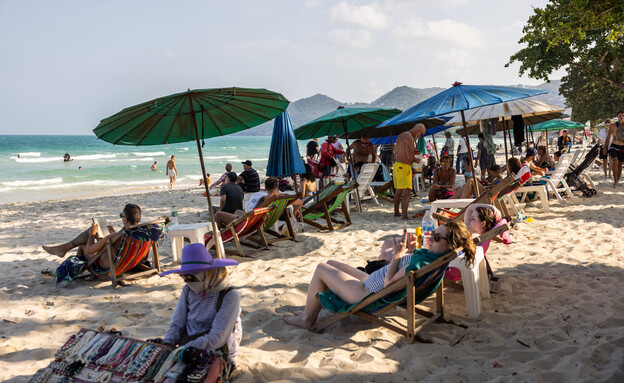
{"x": 403, "y": 97}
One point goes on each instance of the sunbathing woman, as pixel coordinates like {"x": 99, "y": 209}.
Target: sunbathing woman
{"x": 352, "y": 285}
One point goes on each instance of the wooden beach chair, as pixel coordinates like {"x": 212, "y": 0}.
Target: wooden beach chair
{"x": 415, "y": 287}
{"x": 136, "y": 243}
{"x": 241, "y": 228}
{"x": 327, "y": 200}
{"x": 411, "y": 290}
{"x": 279, "y": 206}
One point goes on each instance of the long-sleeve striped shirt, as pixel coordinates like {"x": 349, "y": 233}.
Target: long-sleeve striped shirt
{"x": 196, "y": 313}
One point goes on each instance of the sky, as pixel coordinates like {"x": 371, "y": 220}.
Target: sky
{"x": 65, "y": 65}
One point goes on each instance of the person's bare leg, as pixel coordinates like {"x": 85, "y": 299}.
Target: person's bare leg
{"x": 327, "y": 277}
{"x": 61, "y": 250}
{"x": 405, "y": 202}
{"x": 398, "y": 193}
{"x": 605, "y": 167}
{"x": 432, "y": 194}
{"x": 618, "y": 172}
{"x": 614, "y": 169}
{"x": 356, "y": 273}
{"x": 222, "y": 218}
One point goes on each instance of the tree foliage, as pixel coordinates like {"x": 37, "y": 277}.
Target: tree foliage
{"x": 586, "y": 37}
{"x": 590, "y": 100}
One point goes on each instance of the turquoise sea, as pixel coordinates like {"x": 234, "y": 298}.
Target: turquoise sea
{"x": 40, "y": 173}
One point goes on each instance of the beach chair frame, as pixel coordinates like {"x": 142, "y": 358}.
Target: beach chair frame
{"x": 410, "y": 329}
{"x": 337, "y": 191}
{"x": 137, "y": 247}
{"x": 242, "y": 228}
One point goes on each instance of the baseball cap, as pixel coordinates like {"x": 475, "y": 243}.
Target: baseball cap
{"x": 248, "y": 163}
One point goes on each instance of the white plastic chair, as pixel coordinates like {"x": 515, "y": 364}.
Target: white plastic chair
{"x": 474, "y": 280}
{"x": 365, "y": 191}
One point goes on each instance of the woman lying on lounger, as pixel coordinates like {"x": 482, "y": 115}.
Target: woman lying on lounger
{"x": 352, "y": 285}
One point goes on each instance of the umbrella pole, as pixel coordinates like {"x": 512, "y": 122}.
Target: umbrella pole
{"x": 215, "y": 230}
{"x": 474, "y": 175}
{"x": 510, "y": 143}
{"x": 505, "y": 140}
{"x": 352, "y": 167}
{"x": 435, "y": 148}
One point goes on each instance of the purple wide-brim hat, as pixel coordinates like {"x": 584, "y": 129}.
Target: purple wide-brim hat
{"x": 195, "y": 258}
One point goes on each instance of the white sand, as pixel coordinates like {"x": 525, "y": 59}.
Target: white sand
{"x": 557, "y": 313}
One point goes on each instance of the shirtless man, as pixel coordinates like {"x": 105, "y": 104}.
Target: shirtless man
{"x": 154, "y": 168}
{"x": 89, "y": 245}
{"x": 172, "y": 172}
{"x": 360, "y": 150}
{"x": 404, "y": 156}
{"x": 616, "y": 150}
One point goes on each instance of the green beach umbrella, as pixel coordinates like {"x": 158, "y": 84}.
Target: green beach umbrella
{"x": 191, "y": 116}
{"x": 343, "y": 121}
{"x": 557, "y": 125}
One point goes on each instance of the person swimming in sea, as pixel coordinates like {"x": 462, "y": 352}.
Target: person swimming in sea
{"x": 67, "y": 157}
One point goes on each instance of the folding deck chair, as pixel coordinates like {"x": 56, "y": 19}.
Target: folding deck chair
{"x": 241, "y": 228}
{"x": 414, "y": 288}
{"x": 136, "y": 243}
{"x": 278, "y": 206}
{"x": 327, "y": 200}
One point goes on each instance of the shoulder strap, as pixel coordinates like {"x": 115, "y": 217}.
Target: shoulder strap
{"x": 222, "y": 294}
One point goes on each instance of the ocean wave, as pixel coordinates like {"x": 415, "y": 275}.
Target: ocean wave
{"x": 182, "y": 149}
{"x": 140, "y": 159}
{"x": 94, "y": 157}
{"x": 147, "y": 154}
{"x": 46, "y": 181}
{"x": 219, "y": 157}
{"x": 38, "y": 159}
{"x": 30, "y": 154}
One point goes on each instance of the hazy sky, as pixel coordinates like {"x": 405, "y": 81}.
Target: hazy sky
{"x": 65, "y": 65}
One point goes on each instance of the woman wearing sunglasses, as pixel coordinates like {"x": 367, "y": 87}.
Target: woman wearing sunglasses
{"x": 443, "y": 180}
{"x": 352, "y": 285}
{"x": 207, "y": 316}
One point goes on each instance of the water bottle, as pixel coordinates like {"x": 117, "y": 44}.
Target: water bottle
{"x": 428, "y": 226}
{"x": 174, "y": 216}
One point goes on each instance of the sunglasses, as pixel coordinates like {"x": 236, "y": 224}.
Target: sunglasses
{"x": 445, "y": 162}
{"x": 437, "y": 237}
{"x": 189, "y": 278}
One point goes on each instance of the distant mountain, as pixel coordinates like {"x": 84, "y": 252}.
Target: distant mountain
{"x": 402, "y": 97}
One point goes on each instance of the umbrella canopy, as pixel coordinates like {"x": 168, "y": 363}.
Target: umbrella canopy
{"x": 557, "y": 125}
{"x": 171, "y": 119}
{"x": 284, "y": 157}
{"x": 458, "y": 98}
{"x": 191, "y": 116}
{"x": 532, "y": 112}
{"x": 344, "y": 120}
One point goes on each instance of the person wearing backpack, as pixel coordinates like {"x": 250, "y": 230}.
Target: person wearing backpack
{"x": 207, "y": 316}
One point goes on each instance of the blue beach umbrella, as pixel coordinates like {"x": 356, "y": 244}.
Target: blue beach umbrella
{"x": 459, "y": 98}
{"x": 284, "y": 157}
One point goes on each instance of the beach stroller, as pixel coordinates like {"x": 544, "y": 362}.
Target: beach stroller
{"x": 579, "y": 181}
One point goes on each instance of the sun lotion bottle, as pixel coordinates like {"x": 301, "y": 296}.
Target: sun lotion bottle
{"x": 418, "y": 237}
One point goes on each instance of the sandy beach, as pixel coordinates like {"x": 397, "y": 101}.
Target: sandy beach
{"x": 555, "y": 315}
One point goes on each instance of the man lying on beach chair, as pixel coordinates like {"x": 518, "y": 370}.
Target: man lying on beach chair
{"x": 124, "y": 250}
{"x": 327, "y": 200}
{"x": 347, "y": 290}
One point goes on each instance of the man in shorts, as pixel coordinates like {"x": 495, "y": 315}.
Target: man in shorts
{"x": 604, "y": 156}
{"x": 172, "y": 172}
{"x": 404, "y": 156}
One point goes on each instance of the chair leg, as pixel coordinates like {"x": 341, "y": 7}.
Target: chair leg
{"x": 346, "y": 213}
{"x": 411, "y": 303}
{"x": 330, "y": 226}
{"x": 155, "y": 257}
{"x": 263, "y": 238}
{"x": 239, "y": 247}
{"x": 110, "y": 262}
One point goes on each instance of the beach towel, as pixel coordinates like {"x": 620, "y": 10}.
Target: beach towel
{"x": 71, "y": 268}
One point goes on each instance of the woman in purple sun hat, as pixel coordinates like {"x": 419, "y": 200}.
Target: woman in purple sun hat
{"x": 207, "y": 316}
